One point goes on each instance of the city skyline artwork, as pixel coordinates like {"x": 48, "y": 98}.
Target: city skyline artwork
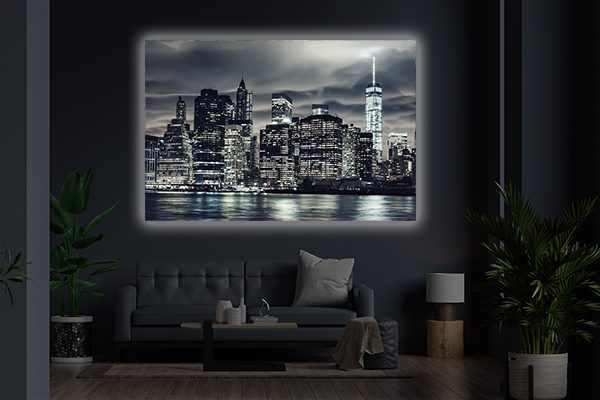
{"x": 280, "y": 130}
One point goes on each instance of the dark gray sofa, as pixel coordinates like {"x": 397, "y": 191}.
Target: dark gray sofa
{"x": 167, "y": 293}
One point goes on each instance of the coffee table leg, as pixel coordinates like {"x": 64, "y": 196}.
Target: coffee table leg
{"x": 208, "y": 345}
{"x": 211, "y": 365}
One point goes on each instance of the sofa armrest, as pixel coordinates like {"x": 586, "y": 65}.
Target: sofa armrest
{"x": 126, "y": 303}
{"x": 364, "y": 300}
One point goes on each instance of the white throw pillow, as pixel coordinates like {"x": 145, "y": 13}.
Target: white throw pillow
{"x": 322, "y": 282}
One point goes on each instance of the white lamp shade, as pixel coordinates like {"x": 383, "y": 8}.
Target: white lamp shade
{"x": 445, "y": 288}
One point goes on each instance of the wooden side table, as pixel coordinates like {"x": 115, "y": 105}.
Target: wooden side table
{"x": 445, "y": 339}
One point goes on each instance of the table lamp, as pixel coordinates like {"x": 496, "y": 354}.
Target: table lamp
{"x": 445, "y": 290}
{"x": 445, "y": 333}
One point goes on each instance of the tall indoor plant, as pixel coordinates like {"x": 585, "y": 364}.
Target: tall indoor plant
{"x": 538, "y": 285}
{"x": 66, "y": 265}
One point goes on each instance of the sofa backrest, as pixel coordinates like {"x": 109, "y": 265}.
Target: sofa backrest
{"x": 274, "y": 281}
{"x": 194, "y": 282}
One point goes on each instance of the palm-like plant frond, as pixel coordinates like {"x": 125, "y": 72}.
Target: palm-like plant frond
{"x": 536, "y": 282}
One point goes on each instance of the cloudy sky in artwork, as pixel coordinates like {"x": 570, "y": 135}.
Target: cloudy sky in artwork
{"x": 333, "y": 72}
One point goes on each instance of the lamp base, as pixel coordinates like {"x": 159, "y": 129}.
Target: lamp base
{"x": 445, "y": 339}
{"x": 444, "y": 311}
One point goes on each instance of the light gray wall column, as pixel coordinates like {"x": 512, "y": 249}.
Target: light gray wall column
{"x": 24, "y": 188}
{"x": 38, "y": 187}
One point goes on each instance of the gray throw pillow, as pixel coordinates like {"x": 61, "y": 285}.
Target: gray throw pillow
{"x": 322, "y": 283}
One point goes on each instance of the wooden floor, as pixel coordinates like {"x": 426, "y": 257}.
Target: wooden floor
{"x": 471, "y": 377}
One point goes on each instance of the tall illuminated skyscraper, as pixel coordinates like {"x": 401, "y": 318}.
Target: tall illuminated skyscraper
{"x": 281, "y": 108}
{"x": 180, "y": 109}
{"x": 320, "y": 145}
{"x": 243, "y": 103}
{"x": 242, "y": 116}
{"x": 174, "y": 159}
{"x": 373, "y": 116}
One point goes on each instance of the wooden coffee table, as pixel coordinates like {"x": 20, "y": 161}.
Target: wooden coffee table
{"x": 210, "y": 364}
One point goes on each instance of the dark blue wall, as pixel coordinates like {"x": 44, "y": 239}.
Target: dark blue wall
{"x": 94, "y": 126}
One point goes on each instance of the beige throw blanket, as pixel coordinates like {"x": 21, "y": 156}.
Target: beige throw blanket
{"x": 360, "y": 336}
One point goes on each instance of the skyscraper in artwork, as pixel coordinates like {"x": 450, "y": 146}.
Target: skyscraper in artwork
{"x": 242, "y": 116}
{"x": 373, "y": 115}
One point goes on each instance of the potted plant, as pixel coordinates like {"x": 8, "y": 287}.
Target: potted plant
{"x": 539, "y": 288}
{"x": 72, "y": 334}
{"x": 10, "y": 271}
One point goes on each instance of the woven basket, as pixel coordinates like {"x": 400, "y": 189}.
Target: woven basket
{"x": 549, "y": 375}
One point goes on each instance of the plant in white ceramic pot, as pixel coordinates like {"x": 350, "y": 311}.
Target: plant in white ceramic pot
{"x": 67, "y": 265}
{"x": 538, "y": 287}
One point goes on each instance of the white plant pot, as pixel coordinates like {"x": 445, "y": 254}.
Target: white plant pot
{"x": 222, "y": 306}
{"x": 549, "y": 375}
{"x": 71, "y": 339}
{"x": 234, "y": 316}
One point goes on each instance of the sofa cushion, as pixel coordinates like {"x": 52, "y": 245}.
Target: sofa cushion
{"x": 180, "y": 282}
{"x": 274, "y": 281}
{"x": 309, "y": 316}
{"x": 171, "y": 315}
{"x": 322, "y": 282}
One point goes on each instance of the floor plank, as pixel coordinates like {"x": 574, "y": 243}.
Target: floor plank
{"x": 475, "y": 378}
{"x": 207, "y": 389}
{"x": 396, "y": 388}
{"x": 231, "y": 389}
{"x": 447, "y": 385}
{"x": 161, "y": 389}
{"x": 137, "y": 390}
{"x": 300, "y": 389}
{"x": 346, "y": 389}
{"x": 184, "y": 390}
{"x": 254, "y": 389}
{"x": 369, "y": 389}
{"x": 277, "y": 389}
{"x": 323, "y": 389}
{"x": 422, "y": 387}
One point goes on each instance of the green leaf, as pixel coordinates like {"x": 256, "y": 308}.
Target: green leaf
{"x": 94, "y": 262}
{"x": 87, "y": 184}
{"x": 77, "y": 233}
{"x": 99, "y": 218}
{"x": 58, "y": 257}
{"x": 55, "y": 228}
{"x": 16, "y": 260}
{"x": 67, "y": 237}
{"x": 85, "y": 284}
{"x": 77, "y": 260}
{"x": 55, "y": 285}
{"x": 70, "y": 271}
{"x": 61, "y": 217}
{"x": 103, "y": 270}
{"x": 71, "y": 195}
{"x": 83, "y": 243}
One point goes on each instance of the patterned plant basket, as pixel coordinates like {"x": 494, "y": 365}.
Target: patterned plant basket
{"x": 71, "y": 339}
{"x": 549, "y": 375}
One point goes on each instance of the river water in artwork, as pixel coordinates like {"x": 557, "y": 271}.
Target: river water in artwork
{"x": 211, "y": 206}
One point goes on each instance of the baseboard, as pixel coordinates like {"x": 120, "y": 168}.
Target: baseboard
{"x": 410, "y": 350}
{"x": 496, "y": 353}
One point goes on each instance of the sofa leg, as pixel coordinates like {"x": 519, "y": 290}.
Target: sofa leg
{"x": 117, "y": 353}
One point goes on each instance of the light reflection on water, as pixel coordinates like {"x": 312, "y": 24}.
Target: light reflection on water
{"x": 174, "y": 206}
